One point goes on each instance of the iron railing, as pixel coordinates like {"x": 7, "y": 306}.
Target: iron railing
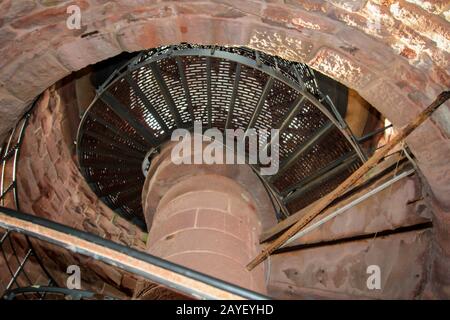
{"x": 17, "y": 250}
{"x": 22, "y": 273}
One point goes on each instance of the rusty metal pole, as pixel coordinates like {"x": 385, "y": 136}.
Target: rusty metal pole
{"x": 369, "y": 164}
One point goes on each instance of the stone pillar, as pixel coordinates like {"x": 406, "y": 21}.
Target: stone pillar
{"x": 201, "y": 218}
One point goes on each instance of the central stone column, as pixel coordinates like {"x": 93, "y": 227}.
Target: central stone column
{"x": 204, "y": 217}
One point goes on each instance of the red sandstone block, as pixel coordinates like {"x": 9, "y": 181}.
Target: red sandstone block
{"x": 29, "y": 145}
{"x": 382, "y": 93}
{"x": 341, "y": 67}
{"x": 226, "y": 31}
{"x": 441, "y": 75}
{"x": 90, "y": 226}
{"x": 107, "y": 226}
{"x": 367, "y": 49}
{"x": 352, "y": 5}
{"x": 258, "y": 274}
{"x": 201, "y": 240}
{"x": 309, "y": 5}
{"x": 35, "y": 75}
{"x": 81, "y": 52}
{"x": 6, "y": 36}
{"x": 402, "y": 256}
{"x": 214, "y": 8}
{"x": 277, "y": 15}
{"x": 28, "y": 181}
{"x": 408, "y": 80}
{"x": 215, "y": 265}
{"x": 234, "y": 224}
{"x": 300, "y": 19}
{"x": 11, "y": 10}
{"x": 209, "y": 218}
{"x": 29, "y": 190}
{"x": 123, "y": 224}
{"x": 202, "y": 182}
{"x": 198, "y": 199}
{"x": 44, "y": 208}
{"x": 11, "y": 110}
{"x": 433, "y": 27}
{"x": 242, "y": 207}
{"x": 128, "y": 241}
{"x": 286, "y": 43}
{"x": 163, "y": 228}
{"x": 423, "y": 142}
{"x": 36, "y": 40}
{"x": 150, "y": 9}
{"x": 50, "y": 173}
{"x": 47, "y": 124}
{"x": 251, "y": 7}
{"x": 152, "y": 33}
{"x": 57, "y": 149}
{"x": 47, "y": 16}
{"x": 384, "y": 22}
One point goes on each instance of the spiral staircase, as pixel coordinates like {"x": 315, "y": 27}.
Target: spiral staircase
{"x": 157, "y": 91}
{"x": 142, "y": 98}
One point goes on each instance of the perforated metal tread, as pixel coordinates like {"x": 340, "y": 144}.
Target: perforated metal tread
{"x": 162, "y": 89}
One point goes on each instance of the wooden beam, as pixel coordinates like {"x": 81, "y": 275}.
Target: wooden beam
{"x": 327, "y": 216}
{"x": 377, "y": 173}
{"x": 344, "y": 186}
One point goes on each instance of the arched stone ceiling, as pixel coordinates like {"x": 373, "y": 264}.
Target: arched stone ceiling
{"x": 394, "y": 53}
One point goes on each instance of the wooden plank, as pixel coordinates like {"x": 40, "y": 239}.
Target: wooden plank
{"x": 344, "y": 186}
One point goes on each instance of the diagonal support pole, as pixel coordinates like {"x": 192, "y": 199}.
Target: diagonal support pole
{"x": 370, "y": 163}
{"x": 160, "y": 271}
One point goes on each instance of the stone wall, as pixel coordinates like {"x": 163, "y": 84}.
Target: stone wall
{"x": 390, "y": 229}
{"x": 51, "y": 186}
{"x": 398, "y": 206}
{"x": 395, "y": 53}
{"x": 340, "y": 271}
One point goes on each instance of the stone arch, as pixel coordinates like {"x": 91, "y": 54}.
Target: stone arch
{"x": 394, "y": 53}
